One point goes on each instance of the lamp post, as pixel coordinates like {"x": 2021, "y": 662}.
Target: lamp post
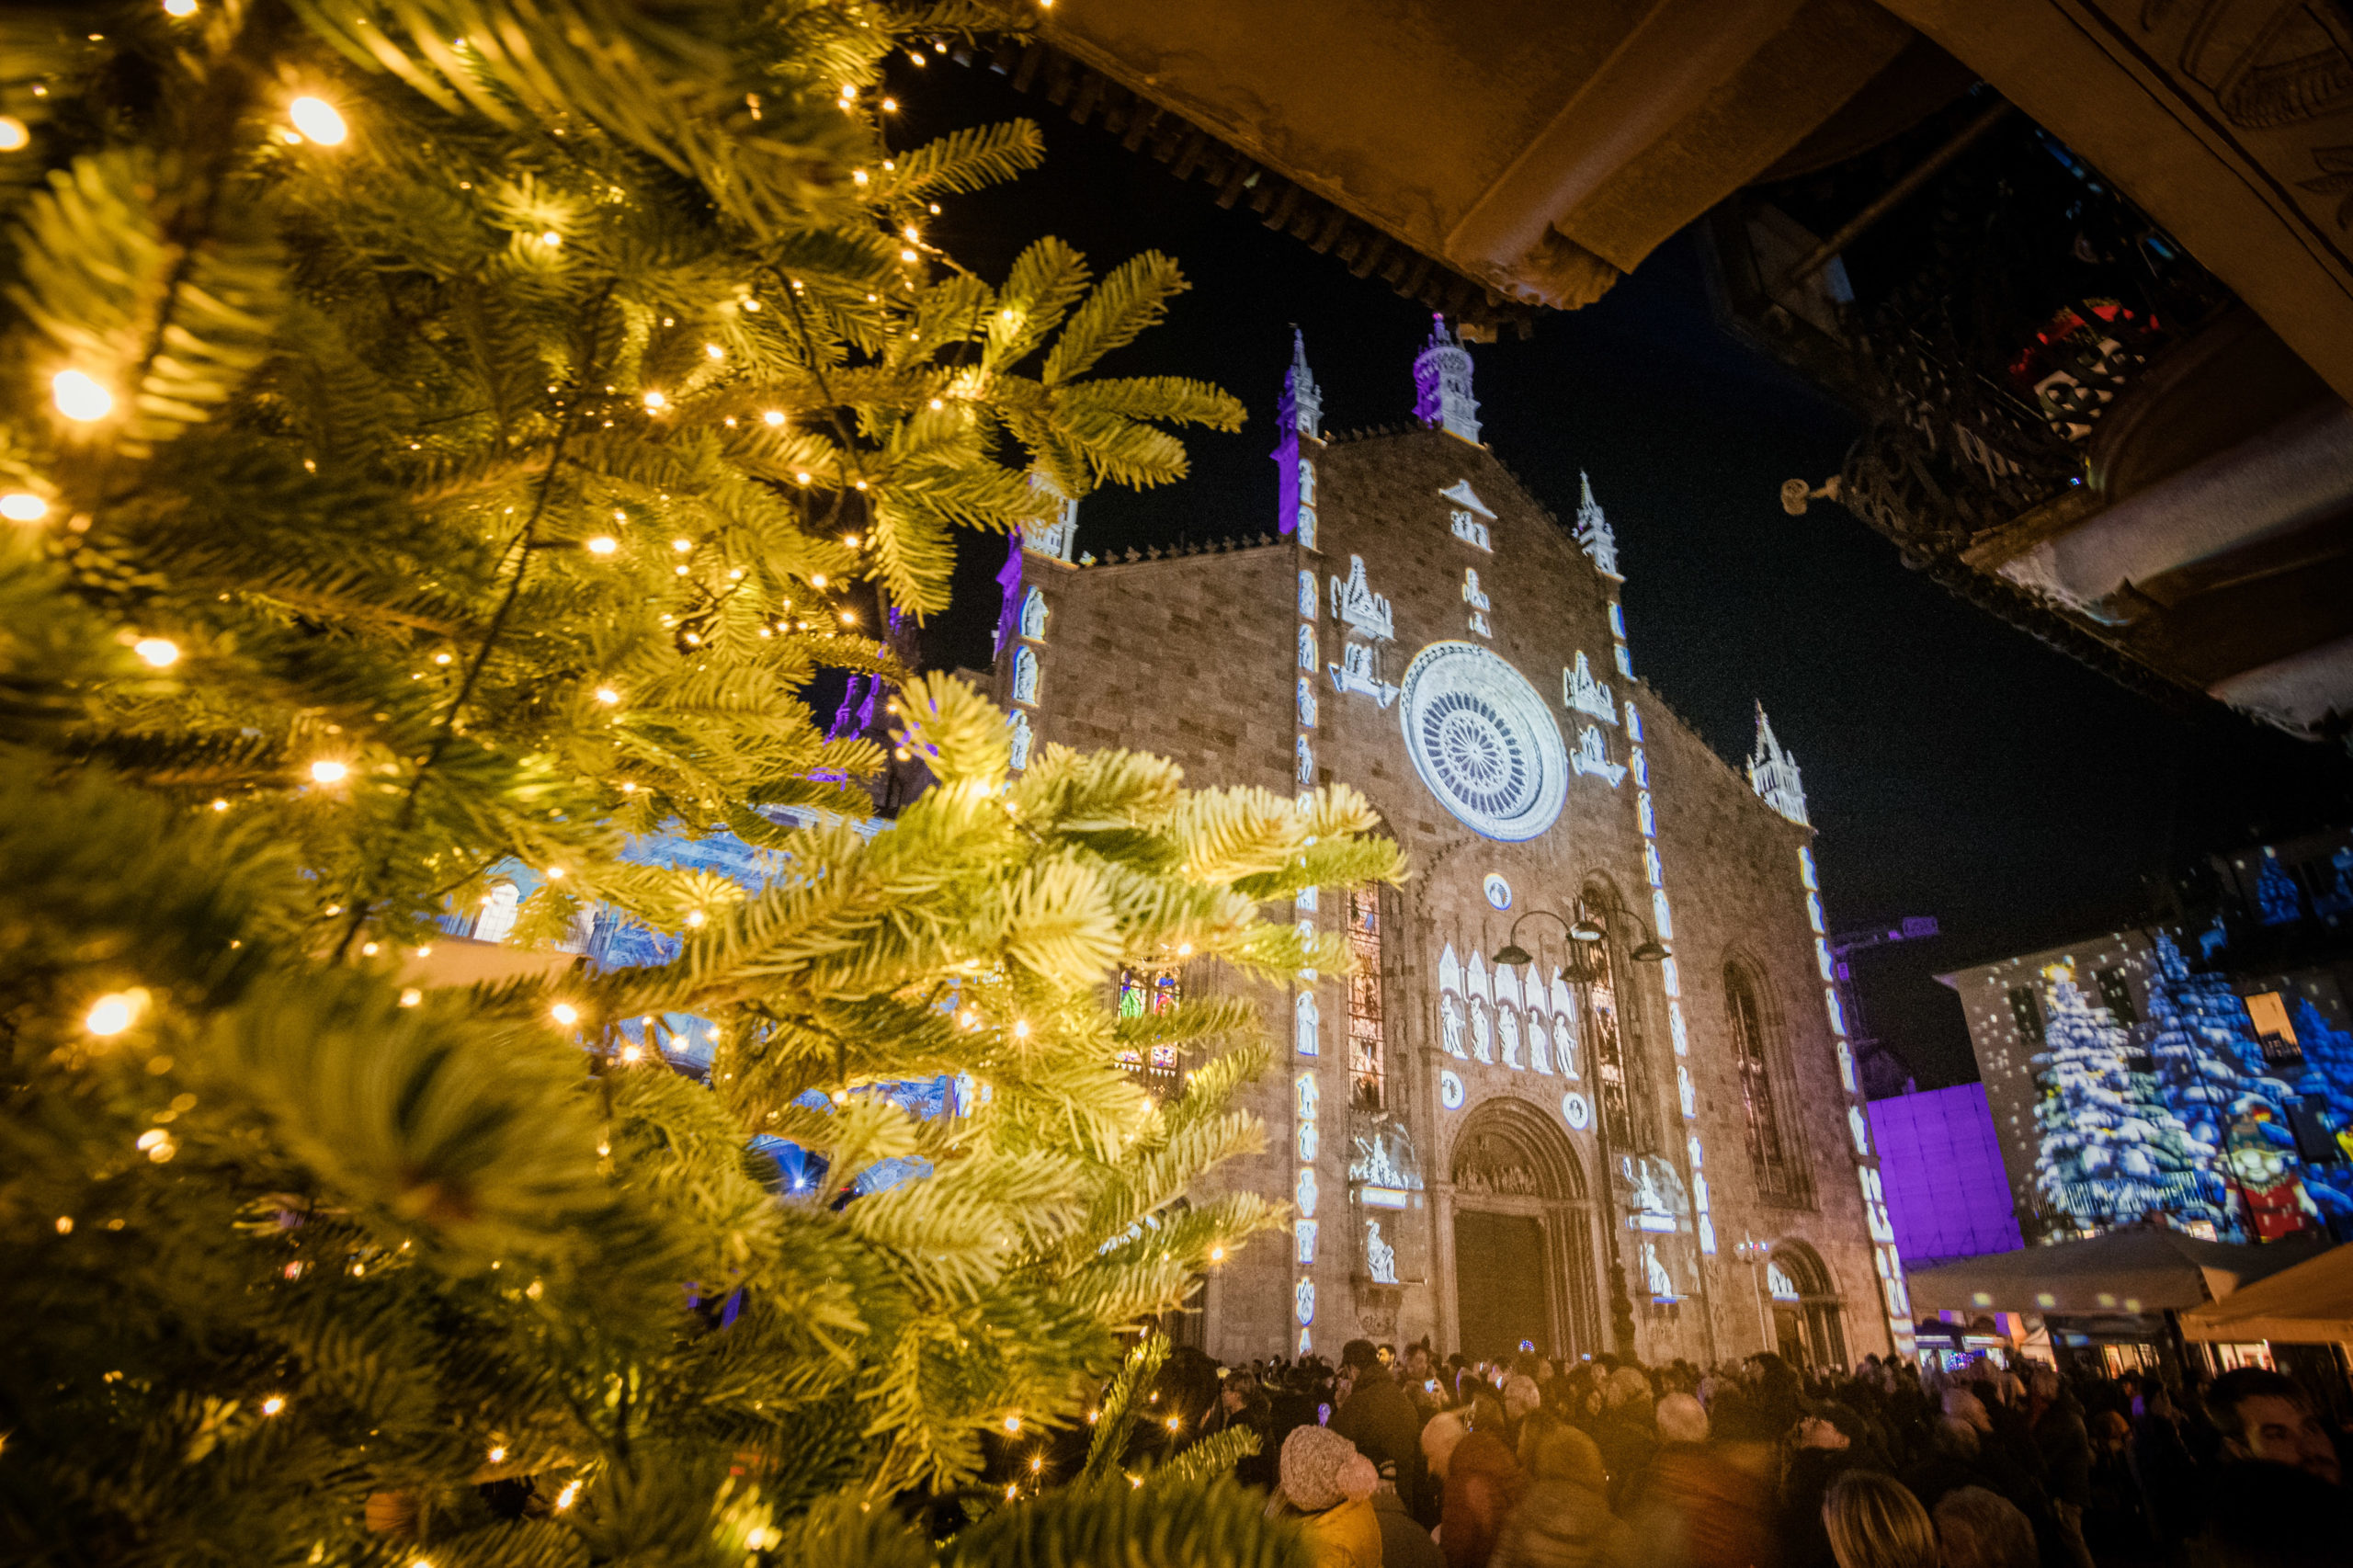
{"x": 1585, "y": 933}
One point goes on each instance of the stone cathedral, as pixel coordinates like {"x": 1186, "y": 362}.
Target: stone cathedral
{"x": 1588, "y": 1087}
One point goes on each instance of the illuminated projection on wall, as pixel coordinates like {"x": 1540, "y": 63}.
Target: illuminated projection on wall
{"x": 1483, "y": 741}
{"x": 2184, "y": 1113}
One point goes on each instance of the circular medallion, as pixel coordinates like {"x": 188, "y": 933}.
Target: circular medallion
{"x": 1498, "y": 892}
{"x": 1450, "y": 1090}
{"x": 1575, "y": 1111}
{"x": 1483, "y": 740}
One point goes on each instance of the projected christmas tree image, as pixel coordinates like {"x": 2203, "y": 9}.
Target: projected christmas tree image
{"x": 2111, "y": 1150}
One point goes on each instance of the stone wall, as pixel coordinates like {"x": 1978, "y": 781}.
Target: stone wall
{"x": 1198, "y": 656}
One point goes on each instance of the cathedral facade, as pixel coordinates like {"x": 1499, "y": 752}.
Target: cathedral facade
{"x": 1588, "y": 1087}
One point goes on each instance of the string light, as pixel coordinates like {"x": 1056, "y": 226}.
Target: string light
{"x": 111, "y": 1013}
{"x": 1013, "y": 1422}
{"x": 328, "y": 771}
{"x": 694, "y": 917}
{"x": 273, "y": 1404}
{"x": 65, "y": 1224}
{"x": 1021, "y": 1030}
{"x": 656, "y": 402}
{"x": 412, "y": 996}
{"x": 563, "y": 1499}
{"x": 607, "y": 696}
{"x": 603, "y": 544}
{"x": 160, "y": 651}
{"x": 79, "y": 398}
{"x": 552, "y": 240}
{"x": 498, "y": 1456}
{"x": 317, "y": 119}
{"x": 564, "y": 1013}
{"x": 773, "y": 418}
{"x": 682, "y": 545}
{"x": 23, "y": 506}
{"x": 179, "y": 7}
{"x": 14, "y": 137}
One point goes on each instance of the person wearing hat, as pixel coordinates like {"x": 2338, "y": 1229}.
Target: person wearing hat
{"x": 1325, "y": 1478}
{"x": 1562, "y": 1520}
{"x": 1832, "y": 1439}
{"x": 1378, "y": 1417}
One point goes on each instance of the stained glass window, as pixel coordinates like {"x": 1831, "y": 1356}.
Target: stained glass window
{"x": 1768, "y": 1154}
{"x": 1145, "y": 992}
{"x": 1364, "y": 1037}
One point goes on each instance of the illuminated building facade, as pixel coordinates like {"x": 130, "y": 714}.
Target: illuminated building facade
{"x": 2197, "y": 1071}
{"x": 1492, "y": 1130}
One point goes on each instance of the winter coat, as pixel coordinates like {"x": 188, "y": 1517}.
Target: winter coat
{"x": 1345, "y": 1536}
{"x": 1483, "y": 1483}
{"x": 1404, "y": 1542}
{"x": 1561, "y": 1521}
{"x": 2065, "y": 1446}
{"x": 1694, "y": 1508}
{"x": 1383, "y": 1425}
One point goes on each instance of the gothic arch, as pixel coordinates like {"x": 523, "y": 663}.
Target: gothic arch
{"x": 1508, "y": 1148}
{"x": 1808, "y": 1329}
{"x": 1519, "y": 1229}
{"x": 1648, "y": 1075}
{"x": 1757, "y": 1039}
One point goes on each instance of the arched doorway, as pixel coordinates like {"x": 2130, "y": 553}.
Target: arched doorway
{"x": 1806, "y": 1328}
{"x": 1523, "y": 1236}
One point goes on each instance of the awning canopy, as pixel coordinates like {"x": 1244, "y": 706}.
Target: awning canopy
{"x": 2122, "y": 1271}
{"x": 2309, "y": 1304}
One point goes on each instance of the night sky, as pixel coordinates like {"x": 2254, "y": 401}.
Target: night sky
{"x": 1953, "y": 767}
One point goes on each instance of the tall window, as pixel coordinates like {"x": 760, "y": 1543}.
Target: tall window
{"x": 2115, "y": 996}
{"x": 1364, "y": 1000}
{"x": 2026, "y": 1011}
{"x": 1145, "y": 992}
{"x": 1768, "y": 1154}
{"x": 1609, "y": 1046}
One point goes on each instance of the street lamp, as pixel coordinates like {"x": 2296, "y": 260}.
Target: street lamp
{"x": 1585, "y": 933}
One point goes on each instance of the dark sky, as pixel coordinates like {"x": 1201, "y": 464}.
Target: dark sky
{"x": 1953, "y": 767}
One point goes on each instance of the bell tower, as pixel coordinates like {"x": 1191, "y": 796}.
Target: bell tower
{"x": 1442, "y": 383}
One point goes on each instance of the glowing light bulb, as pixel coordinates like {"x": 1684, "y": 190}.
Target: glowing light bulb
{"x": 23, "y": 506}
{"x": 276, "y": 1401}
{"x": 79, "y": 398}
{"x": 498, "y": 1456}
{"x": 695, "y": 917}
{"x": 607, "y": 696}
{"x": 317, "y": 119}
{"x": 906, "y": 255}
{"x": 327, "y": 771}
{"x": 564, "y": 1013}
{"x": 714, "y": 350}
{"x": 1021, "y": 1030}
{"x": 631, "y": 1053}
{"x": 179, "y": 7}
{"x": 160, "y": 651}
{"x": 603, "y": 544}
{"x": 110, "y": 1015}
{"x": 773, "y": 418}
{"x": 552, "y": 240}
{"x": 1013, "y": 1424}
{"x": 412, "y": 996}
{"x": 656, "y": 402}
{"x": 563, "y": 1499}
{"x": 14, "y": 137}
{"x": 818, "y": 581}
{"x": 682, "y": 545}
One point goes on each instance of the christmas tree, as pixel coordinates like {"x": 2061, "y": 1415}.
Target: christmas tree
{"x": 2108, "y": 1152}
{"x": 448, "y": 436}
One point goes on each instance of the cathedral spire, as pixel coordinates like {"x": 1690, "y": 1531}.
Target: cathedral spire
{"x": 1594, "y": 534}
{"x": 1442, "y": 383}
{"x": 1773, "y": 773}
{"x": 1301, "y": 410}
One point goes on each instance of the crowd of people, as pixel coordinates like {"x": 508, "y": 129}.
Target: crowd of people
{"x": 1413, "y": 1461}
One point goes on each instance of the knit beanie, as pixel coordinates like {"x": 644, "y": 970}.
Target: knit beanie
{"x": 1321, "y": 1470}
